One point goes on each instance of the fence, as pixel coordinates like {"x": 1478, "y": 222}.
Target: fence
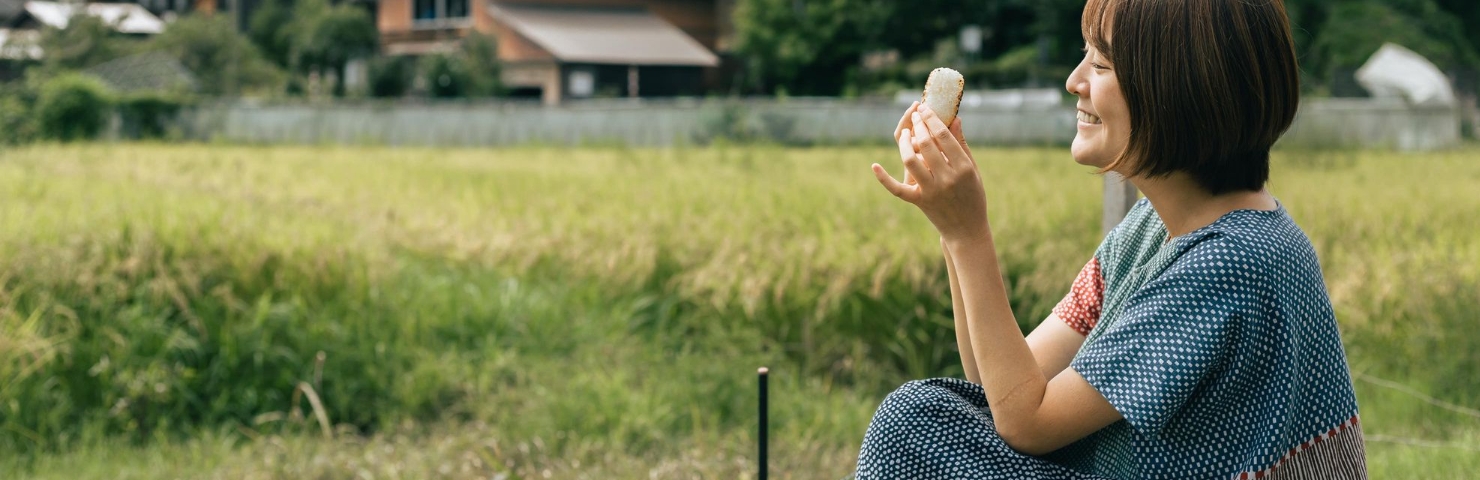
{"x": 1321, "y": 123}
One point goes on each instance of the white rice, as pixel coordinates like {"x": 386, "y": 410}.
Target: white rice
{"x": 943, "y": 93}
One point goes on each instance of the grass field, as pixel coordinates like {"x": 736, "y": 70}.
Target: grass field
{"x": 600, "y": 312}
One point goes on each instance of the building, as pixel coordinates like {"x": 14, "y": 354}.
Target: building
{"x": 570, "y": 49}
{"x": 21, "y": 24}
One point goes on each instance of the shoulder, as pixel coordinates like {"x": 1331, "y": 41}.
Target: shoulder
{"x": 1266, "y": 245}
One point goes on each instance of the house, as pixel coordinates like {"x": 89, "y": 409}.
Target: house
{"x": 570, "y": 49}
{"x": 21, "y": 24}
{"x": 125, "y": 18}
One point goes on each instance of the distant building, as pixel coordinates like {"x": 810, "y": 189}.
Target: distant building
{"x": 21, "y": 24}
{"x": 570, "y": 49}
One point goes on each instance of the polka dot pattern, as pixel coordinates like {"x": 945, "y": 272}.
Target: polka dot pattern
{"x": 1080, "y": 309}
{"x": 1218, "y": 347}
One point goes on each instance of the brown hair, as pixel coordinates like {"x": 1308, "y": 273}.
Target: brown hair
{"x": 1211, "y": 84}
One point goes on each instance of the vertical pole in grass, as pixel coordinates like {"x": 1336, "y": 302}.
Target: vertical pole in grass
{"x": 761, "y": 436}
{"x": 1120, "y": 196}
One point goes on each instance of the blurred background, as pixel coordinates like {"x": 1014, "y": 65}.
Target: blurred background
{"x": 555, "y": 238}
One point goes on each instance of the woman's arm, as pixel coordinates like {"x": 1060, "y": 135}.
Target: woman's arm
{"x": 1052, "y": 342}
{"x": 958, "y": 310}
{"x": 1032, "y": 414}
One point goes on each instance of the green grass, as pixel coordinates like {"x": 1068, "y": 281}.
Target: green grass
{"x": 600, "y": 312}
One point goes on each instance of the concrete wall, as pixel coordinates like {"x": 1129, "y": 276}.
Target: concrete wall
{"x": 1321, "y": 123}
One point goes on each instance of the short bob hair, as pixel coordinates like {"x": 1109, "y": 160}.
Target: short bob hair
{"x": 1210, "y": 84}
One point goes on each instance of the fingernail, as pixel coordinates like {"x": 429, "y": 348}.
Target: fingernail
{"x": 915, "y": 117}
{"x": 924, "y": 108}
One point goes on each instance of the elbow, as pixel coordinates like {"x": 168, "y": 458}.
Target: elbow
{"x": 1023, "y": 438}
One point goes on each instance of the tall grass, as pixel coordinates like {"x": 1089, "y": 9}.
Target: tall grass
{"x": 605, "y": 305}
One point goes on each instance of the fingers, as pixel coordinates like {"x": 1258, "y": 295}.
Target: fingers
{"x": 944, "y": 139}
{"x": 904, "y": 192}
{"x": 914, "y": 166}
{"x": 956, "y": 130}
{"x": 929, "y": 152}
{"x": 904, "y": 121}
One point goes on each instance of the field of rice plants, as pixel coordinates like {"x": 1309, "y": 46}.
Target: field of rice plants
{"x": 208, "y": 311}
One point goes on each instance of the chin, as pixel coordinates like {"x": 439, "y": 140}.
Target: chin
{"x": 1085, "y": 155}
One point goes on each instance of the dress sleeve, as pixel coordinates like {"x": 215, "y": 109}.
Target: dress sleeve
{"x": 1080, "y": 308}
{"x": 1177, "y": 335}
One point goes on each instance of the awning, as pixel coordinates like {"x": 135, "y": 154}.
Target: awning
{"x": 604, "y": 35}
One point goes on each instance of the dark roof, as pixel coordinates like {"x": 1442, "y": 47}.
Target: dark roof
{"x": 152, "y": 71}
{"x": 10, "y": 8}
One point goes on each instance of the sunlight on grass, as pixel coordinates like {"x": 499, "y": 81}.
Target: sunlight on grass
{"x": 599, "y": 313}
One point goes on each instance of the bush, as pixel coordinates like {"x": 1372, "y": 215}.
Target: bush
{"x": 17, "y": 122}
{"x": 73, "y": 107}
{"x": 391, "y": 76}
{"x": 149, "y": 115}
{"x": 446, "y": 76}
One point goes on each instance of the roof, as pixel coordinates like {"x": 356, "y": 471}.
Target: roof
{"x": 153, "y": 71}
{"x": 124, "y": 17}
{"x": 10, "y": 8}
{"x": 604, "y": 35}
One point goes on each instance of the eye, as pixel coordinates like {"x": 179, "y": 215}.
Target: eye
{"x": 1098, "y": 66}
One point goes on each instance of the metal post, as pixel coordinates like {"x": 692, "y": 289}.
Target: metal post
{"x": 1120, "y": 196}
{"x": 761, "y": 437}
{"x": 632, "y": 81}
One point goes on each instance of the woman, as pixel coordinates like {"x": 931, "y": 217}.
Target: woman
{"x": 1199, "y": 341}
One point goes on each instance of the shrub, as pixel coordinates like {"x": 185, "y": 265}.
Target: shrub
{"x": 446, "y": 76}
{"x": 17, "y": 122}
{"x": 391, "y": 76}
{"x": 149, "y": 115}
{"x": 73, "y": 107}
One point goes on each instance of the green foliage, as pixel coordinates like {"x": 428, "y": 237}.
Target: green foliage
{"x": 596, "y": 312}
{"x": 814, "y": 47}
{"x": 391, "y": 76}
{"x": 446, "y": 75}
{"x": 148, "y": 115}
{"x": 87, "y": 41}
{"x": 326, "y": 38}
{"x": 222, "y": 61}
{"x": 471, "y": 71}
{"x": 267, "y": 30}
{"x": 1346, "y": 39}
{"x": 806, "y": 46}
{"x": 17, "y": 120}
{"x": 73, "y": 107}
{"x": 480, "y": 55}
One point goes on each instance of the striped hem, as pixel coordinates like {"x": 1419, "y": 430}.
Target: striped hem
{"x": 1347, "y": 447}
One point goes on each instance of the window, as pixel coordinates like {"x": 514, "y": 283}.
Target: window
{"x": 434, "y": 11}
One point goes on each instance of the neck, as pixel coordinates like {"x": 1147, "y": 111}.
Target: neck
{"x": 1185, "y": 206}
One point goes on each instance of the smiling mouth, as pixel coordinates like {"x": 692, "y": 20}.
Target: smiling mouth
{"x": 1086, "y": 117}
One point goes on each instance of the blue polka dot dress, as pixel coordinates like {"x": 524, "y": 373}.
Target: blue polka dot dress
{"x": 1218, "y": 347}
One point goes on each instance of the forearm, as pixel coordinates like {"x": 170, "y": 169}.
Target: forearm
{"x": 1010, "y": 376}
{"x": 963, "y": 327}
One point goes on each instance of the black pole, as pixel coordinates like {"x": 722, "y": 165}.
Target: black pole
{"x": 761, "y": 440}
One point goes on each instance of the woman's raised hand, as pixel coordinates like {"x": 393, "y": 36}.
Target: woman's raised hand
{"x": 941, "y": 177}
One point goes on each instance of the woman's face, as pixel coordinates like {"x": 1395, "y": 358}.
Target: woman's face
{"x": 1104, "y": 118}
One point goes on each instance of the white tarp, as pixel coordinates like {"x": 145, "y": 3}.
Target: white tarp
{"x": 1397, "y": 72}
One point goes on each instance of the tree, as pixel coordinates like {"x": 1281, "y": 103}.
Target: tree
{"x": 327, "y": 37}
{"x": 85, "y": 42}
{"x": 1346, "y": 39}
{"x": 223, "y": 61}
{"x": 808, "y": 46}
{"x": 267, "y": 31}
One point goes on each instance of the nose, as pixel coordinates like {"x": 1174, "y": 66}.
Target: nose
{"x": 1077, "y": 84}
